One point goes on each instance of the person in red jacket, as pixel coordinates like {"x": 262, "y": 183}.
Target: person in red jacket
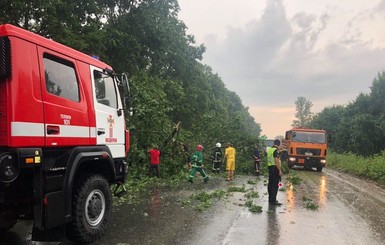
{"x": 154, "y": 161}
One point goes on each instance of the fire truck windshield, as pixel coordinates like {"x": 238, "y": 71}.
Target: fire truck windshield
{"x": 309, "y": 137}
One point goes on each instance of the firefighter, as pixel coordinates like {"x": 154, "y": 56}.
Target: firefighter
{"x": 230, "y": 161}
{"x": 217, "y": 158}
{"x": 197, "y": 165}
{"x": 275, "y": 172}
{"x": 257, "y": 159}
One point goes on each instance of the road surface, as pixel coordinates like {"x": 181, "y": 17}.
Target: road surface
{"x": 322, "y": 208}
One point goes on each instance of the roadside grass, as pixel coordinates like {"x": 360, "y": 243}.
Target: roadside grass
{"x": 372, "y": 168}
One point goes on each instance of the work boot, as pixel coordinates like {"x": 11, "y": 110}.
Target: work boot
{"x": 276, "y": 203}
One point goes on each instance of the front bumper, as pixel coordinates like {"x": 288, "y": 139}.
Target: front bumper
{"x": 307, "y": 161}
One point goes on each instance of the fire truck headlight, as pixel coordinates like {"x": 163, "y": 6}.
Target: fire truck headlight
{"x": 323, "y": 161}
{"x": 8, "y": 168}
{"x": 292, "y": 159}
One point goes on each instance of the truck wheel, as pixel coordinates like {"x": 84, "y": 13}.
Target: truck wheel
{"x": 319, "y": 169}
{"x": 91, "y": 209}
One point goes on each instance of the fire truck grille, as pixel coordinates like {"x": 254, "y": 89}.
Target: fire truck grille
{"x": 308, "y": 152}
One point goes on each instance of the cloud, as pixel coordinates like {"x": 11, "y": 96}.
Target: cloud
{"x": 380, "y": 8}
{"x": 273, "y": 59}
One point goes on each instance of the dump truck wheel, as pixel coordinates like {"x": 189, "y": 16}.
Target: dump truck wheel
{"x": 91, "y": 209}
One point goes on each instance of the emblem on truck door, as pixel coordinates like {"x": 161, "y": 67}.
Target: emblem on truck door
{"x": 111, "y": 122}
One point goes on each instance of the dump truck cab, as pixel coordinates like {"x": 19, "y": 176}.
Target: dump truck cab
{"x": 305, "y": 147}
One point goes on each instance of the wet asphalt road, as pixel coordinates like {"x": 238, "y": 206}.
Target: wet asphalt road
{"x": 325, "y": 208}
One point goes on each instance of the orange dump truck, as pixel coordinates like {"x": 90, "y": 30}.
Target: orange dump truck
{"x": 305, "y": 147}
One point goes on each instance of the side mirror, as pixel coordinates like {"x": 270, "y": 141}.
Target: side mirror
{"x": 125, "y": 93}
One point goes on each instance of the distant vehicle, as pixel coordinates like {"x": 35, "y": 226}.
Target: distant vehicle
{"x": 305, "y": 147}
{"x": 269, "y": 143}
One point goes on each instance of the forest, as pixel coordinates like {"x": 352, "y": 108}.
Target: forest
{"x": 178, "y": 99}
{"x": 359, "y": 126}
{"x": 175, "y": 97}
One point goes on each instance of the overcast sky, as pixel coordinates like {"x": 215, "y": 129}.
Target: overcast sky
{"x": 270, "y": 52}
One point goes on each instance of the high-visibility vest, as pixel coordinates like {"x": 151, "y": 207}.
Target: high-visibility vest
{"x": 270, "y": 156}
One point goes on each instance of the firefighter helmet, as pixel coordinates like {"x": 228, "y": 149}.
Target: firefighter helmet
{"x": 218, "y": 145}
{"x": 199, "y": 147}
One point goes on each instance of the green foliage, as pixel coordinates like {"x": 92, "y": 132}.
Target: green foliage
{"x": 255, "y": 209}
{"x": 329, "y": 119}
{"x": 252, "y": 194}
{"x": 251, "y": 182}
{"x": 368, "y": 167}
{"x": 358, "y": 127}
{"x": 294, "y": 179}
{"x": 236, "y": 189}
{"x": 252, "y": 207}
{"x": 309, "y": 204}
{"x": 203, "y": 200}
{"x": 168, "y": 83}
{"x": 303, "y": 112}
{"x": 219, "y": 194}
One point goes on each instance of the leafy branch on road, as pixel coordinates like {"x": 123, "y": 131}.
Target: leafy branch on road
{"x": 294, "y": 179}
{"x": 252, "y": 194}
{"x": 251, "y": 182}
{"x": 236, "y": 189}
{"x": 309, "y": 204}
{"x": 203, "y": 200}
{"x": 252, "y": 207}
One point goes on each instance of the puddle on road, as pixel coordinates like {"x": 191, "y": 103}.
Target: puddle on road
{"x": 334, "y": 221}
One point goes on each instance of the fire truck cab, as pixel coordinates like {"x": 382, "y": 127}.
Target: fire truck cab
{"x": 63, "y": 138}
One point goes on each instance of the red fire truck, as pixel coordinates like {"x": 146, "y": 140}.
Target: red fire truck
{"x": 63, "y": 139}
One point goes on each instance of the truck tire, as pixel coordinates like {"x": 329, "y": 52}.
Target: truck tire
{"x": 91, "y": 209}
{"x": 319, "y": 169}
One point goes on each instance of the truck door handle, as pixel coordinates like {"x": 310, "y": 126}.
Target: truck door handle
{"x": 51, "y": 129}
{"x": 100, "y": 132}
